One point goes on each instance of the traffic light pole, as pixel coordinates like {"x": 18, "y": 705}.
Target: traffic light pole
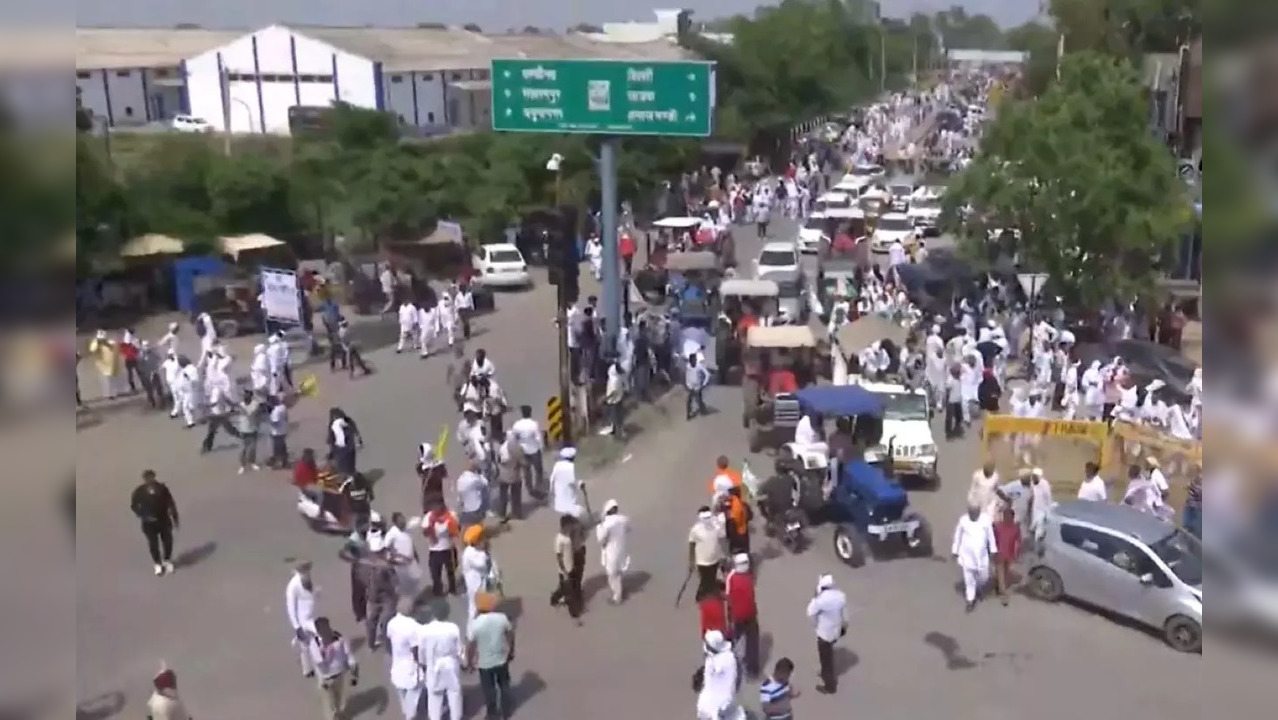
{"x": 608, "y": 234}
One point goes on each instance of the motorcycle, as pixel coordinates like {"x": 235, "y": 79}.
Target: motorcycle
{"x": 788, "y": 527}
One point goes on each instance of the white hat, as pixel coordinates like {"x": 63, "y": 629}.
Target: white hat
{"x": 1037, "y": 472}
{"x": 715, "y": 641}
{"x": 741, "y": 562}
{"x": 825, "y": 582}
{"x": 568, "y": 453}
{"x": 173, "y": 327}
{"x": 425, "y": 452}
{"x": 374, "y": 517}
{"x": 610, "y": 506}
{"x": 101, "y": 335}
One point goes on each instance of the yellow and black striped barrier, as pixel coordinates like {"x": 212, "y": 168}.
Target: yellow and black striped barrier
{"x": 555, "y": 419}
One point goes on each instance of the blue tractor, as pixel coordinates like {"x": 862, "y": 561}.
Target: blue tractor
{"x": 867, "y": 507}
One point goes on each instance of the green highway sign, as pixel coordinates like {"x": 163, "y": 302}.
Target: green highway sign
{"x": 603, "y": 97}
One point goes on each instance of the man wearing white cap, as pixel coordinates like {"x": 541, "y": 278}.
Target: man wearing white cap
{"x": 828, "y": 611}
{"x": 613, "y": 534}
{"x": 717, "y": 696}
{"x": 404, "y": 638}
{"x": 565, "y": 489}
{"x": 972, "y": 548}
{"x": 706, "y": 542}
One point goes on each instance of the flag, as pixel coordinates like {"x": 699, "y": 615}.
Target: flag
{"x": 1060, "y": 53}
{"x": 441, "y": 444}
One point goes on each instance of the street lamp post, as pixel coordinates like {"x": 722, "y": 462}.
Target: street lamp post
{"x": 555, "y": 165}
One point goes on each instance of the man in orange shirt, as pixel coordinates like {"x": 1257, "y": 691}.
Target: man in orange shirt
{"x": 782, "y": 380}
{"x": 738, "y": 527}
{"x": 725, "y": 478}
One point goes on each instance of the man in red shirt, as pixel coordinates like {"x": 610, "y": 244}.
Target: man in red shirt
{"x": 714, "y": 612}
{"x": 743, "y": 613}
{"x": 627, "y": 247}
{"x": 1007, "y": 541}
{"x": 782, "y": 380}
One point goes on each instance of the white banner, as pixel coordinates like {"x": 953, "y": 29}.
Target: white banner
{"x": 281, "y": 300}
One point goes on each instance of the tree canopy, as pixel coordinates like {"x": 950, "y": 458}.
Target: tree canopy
{"x": 1094, "y": 195}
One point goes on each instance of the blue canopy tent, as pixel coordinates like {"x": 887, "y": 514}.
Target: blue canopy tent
{"x": 839, "y": 401}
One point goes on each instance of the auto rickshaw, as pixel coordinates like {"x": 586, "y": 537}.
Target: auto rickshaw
{"x": 673, "y": 229}
{"x": 773, "y": 358}
{"x": 760, "y": 297}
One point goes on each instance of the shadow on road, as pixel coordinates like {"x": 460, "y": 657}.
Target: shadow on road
{"x": 527, "y": 687}
{"x": 634, "y": 583}
{"x": 102, "y": 707}
{"x": 844, "y": 661}
{"x": 196, "y": 555}
{"x": 955, "y": 658}
{"x": 374, "y": 699}
{"x": 512, "y": 607}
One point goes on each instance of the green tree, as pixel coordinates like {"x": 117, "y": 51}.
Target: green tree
{"x": 1094, "y": 195}
{"x": 968, "y": 32}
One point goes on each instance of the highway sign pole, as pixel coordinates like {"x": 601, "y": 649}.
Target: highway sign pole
{"x": 611, "y": 256}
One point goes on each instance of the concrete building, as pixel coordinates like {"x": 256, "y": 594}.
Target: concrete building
{"x": 666, "y": 27}
{"x": 435, "y": 79}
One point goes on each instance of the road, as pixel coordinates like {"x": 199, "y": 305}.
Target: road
{"x": 219, "y": 621}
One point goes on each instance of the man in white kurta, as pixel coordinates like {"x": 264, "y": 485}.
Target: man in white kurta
{"x": 441, "y": 654}
{"x": 408, "y": 319}
{"x": 983, "y": 492}
{"x": 718, "y": 697}
{"x": 613, "y": 534}
{"x": 972, "y": 548}
{"x": 403, "y": 638}
{"x": 566, "y": 491}
{"x": 277, "y": 358}
{"x": 260, "y": 370}
{"x": 300, "y": 596}
{"x": 447, "y": 317}
{"x": 427, "y": 329}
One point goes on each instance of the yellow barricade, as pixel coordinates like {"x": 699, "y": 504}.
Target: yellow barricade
{"x": 1135, "y": 444}
{"x": 1063, "y": 464}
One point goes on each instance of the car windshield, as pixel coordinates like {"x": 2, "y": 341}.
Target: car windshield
{"x": 866, "y": 170}
{"x": 815, "y": 224}
{"x": 894, "y": 224}
{"x": 902, "y": 190}
{"x": 505, "y": 256}
{"x": 777, "y": 258}
{"x": 925, "y": 203}
{"x": 903, "y": 407}
{"x": 1183, "y": 555}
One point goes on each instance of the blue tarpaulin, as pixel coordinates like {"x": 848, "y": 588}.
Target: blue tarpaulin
{"x": 840, "y": 401}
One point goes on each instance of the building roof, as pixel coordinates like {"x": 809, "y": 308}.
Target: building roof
{"x": 109, "y": 48}
{"x": 398, "y": 49}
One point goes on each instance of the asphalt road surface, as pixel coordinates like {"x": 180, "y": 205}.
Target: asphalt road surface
{"x": 911, "y": 652}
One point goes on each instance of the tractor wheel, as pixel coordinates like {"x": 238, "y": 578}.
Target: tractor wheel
{"x": 850, "y": 546}
{"x": 228, "y": 328}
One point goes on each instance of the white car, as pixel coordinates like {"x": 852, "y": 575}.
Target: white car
{"x": 907, "y": 428}
{"x": 861, "y": 177}
{"x": 501, "y": 265}
{"x": 190, "y": 124}
{"x": 890, "y": 228}
{"x": 832, "y": 200}
{"x": 901, "y": 193}
{"x": 812, "y": 233}
{"x": 777, "y": 258}
{"x": 925, "y": 210}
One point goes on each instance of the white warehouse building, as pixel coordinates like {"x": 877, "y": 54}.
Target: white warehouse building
{"x": 432, "y": 78}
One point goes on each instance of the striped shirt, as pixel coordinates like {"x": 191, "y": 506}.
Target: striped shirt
{"x": 774, "y": 696}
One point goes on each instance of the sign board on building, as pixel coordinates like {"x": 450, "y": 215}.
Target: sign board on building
{"x": 604, "y": 97}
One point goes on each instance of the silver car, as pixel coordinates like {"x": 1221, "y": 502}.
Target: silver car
{"x": 1123, "y": 561}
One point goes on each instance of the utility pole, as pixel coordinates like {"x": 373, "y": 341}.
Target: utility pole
{"x": 611, "y": 259}
{"x": 225, "y": 84}
{"x": 563, "y": 299}
{"x": 882, "y": 59}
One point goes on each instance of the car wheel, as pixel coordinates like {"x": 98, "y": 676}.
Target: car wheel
{"x": 1045, "y": 584}
{"x": 849, "y": 546}
{"x": 1183, "y": 634}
